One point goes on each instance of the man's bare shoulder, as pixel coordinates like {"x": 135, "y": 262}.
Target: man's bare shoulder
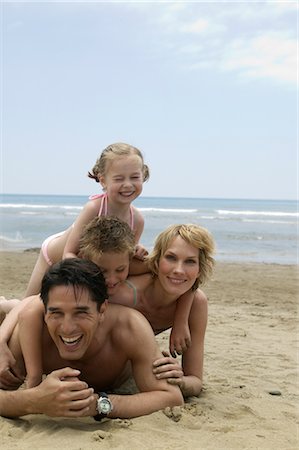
{"x": 127, "y": 323}
{"x": 119, "y": 314}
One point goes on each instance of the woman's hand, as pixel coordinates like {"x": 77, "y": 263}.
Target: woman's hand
{"x": 170, "y": 369}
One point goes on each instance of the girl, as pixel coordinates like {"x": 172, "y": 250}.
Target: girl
{"x": 121, "y": 172}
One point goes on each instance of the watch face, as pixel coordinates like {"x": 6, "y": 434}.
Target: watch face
{"x": 105, "y": 405}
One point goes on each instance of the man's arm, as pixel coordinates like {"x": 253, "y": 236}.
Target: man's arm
{"x": 61, "y": 394}
{"x": 139, "y": 342}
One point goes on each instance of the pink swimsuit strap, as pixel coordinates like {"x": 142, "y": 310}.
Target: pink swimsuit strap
{"x": 103, "y": 211}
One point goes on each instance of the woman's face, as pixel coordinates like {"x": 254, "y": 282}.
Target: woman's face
{"x": 115, "y": 268}
{"x": 179, "y": 267}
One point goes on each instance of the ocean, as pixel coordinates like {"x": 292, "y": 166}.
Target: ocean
{"x": 244, "y": 230}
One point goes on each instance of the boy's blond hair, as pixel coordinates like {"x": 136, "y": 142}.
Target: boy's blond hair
{"x": 106, "y": 234}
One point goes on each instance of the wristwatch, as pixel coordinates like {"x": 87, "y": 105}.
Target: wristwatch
{"x": 104, "y": 406}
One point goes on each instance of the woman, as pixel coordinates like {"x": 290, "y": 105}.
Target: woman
{"x": 180, "y": 261}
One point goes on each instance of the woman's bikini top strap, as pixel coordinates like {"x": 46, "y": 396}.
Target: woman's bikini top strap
{"x": 131, "y": 285}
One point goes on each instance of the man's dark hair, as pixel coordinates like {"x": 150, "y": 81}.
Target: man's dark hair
{"x": 79, "y": 274}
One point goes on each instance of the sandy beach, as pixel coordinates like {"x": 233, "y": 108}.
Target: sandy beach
{"x": 250, "y": 397}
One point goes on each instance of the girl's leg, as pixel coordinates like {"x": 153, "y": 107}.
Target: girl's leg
{"x": 40, "y": 268}
{"x": 50, "y": 253}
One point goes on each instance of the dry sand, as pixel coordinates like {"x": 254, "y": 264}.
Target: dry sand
{"x": 251, "y": 354}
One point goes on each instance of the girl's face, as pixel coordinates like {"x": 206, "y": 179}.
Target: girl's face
{"x": 115, "y": 268}
{"x": 123, "y": 179}
{"x": 178, "y": 267}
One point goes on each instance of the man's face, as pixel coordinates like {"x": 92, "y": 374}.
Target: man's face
{"x": 72, "y": 319}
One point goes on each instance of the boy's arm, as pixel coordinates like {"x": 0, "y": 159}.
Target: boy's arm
{"x": 30, "y": 335}
{"x": 180, "y": 338}
{"x": 10, "y": 377}
{"x": 140, "y": 252}
{"x": 138, "y": 267}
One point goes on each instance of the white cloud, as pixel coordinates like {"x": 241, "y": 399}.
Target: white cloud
{"x": 202, "y": 26}
{"x": 198, "y": 26}
{"x": 266, "y": 56}
{"x": 250, "y": 39}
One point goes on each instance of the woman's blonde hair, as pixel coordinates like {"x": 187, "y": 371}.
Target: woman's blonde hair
{"x": 115, "y": 151}
{"x": 194, "y": 235}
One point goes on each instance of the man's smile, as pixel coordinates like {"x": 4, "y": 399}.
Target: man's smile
{"x": 71, "y": 341}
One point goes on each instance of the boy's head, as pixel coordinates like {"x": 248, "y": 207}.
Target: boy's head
{"x": 110, "y": 243}
{"x": 105, "y": 235}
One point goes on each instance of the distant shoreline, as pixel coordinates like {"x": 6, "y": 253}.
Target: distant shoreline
{"x": 35, "y": 250}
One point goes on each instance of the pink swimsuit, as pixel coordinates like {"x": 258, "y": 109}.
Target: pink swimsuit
{"x": 102, "y": 212}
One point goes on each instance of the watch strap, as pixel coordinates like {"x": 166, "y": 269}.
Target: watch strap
{"x": 99, "y": 416}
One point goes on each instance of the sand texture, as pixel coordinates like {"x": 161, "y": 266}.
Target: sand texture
{"x": 250, "y": 397}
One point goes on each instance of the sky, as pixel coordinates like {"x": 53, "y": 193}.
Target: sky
{"x": 208, "y": 91}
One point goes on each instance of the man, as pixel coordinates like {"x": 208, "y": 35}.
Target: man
{"x": 88, "y": 346}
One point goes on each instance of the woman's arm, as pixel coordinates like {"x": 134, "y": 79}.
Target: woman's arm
{"x": 189, "y": 374}
{"x": 180, "y": 337}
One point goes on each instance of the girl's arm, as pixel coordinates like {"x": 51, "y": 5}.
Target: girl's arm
{"x": 140, "y": 250}
{"x": 138, "y": 224}
{"x": 89, "y": 211}
{"x": 180, "y": 338}
{"x": 30, "y": 332}
{"x": 188, "y": 375}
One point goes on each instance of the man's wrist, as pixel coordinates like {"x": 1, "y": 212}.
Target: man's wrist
{"x": 104, "y": 406}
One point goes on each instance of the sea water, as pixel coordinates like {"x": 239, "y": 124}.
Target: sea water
{"x": 244, "y": 230}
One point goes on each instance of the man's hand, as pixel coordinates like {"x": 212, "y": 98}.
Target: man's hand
{"x": 180, "y": 340}
{"x": 62, "y": 394}
{"x": 10, "y": 376}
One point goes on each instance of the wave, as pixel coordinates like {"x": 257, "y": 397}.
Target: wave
{"x": 36, "y": 206}
{"x": 257, "y": 213}
{"x": 278, "y": 222}
{"x": 167, "y": 210}
{"x": 13, "y": 240}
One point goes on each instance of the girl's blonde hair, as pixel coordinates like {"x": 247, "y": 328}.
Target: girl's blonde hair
{"x": 106, "y": 234}
{"x": 194, "y": 235}
{"x": 110, "y": 153}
